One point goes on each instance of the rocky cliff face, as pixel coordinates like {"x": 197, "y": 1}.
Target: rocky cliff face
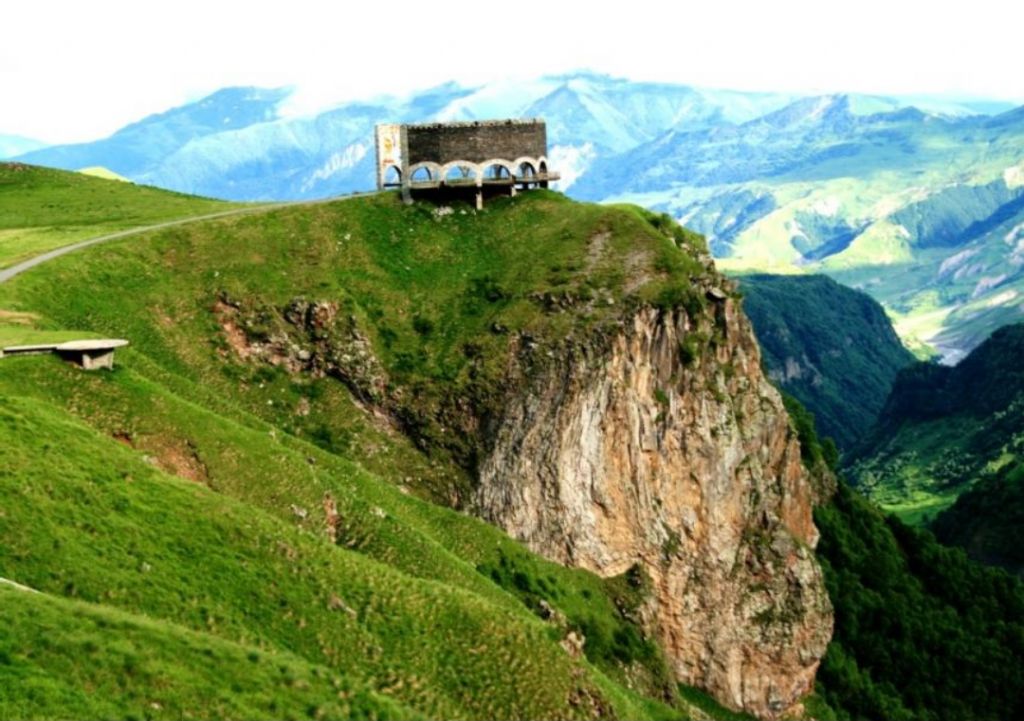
{"x": 664, "y": 445}
{"x": 653, "y": 441}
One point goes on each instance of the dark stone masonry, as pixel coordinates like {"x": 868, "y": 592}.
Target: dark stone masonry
{"x": 452, "y": 159}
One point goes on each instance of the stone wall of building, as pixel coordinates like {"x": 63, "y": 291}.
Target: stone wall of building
{"x": 475, "y": 141}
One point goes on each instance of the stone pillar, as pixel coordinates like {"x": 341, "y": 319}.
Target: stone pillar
{"x": 479, "y": 198}
{"x": 94, "y": 360}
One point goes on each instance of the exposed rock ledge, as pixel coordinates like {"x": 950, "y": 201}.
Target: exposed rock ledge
{"x": 641, "y": 450}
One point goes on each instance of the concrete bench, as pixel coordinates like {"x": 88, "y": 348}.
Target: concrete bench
{"x": 89, "y": 354}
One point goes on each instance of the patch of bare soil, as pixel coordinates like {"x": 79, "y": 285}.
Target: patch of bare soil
{"x": 182, "y": 460}
{"x": 234, "y": 335}
{"x": 595, "y": 248}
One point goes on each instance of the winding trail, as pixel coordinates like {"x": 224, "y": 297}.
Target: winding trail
{"x": 16, "y": 585}
{"x": 7, "y": 273}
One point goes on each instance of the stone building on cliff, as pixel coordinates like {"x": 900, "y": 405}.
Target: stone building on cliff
{"x": 478, "y": 158}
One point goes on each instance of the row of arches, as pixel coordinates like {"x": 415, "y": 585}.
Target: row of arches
{"x": 462, "y": 172}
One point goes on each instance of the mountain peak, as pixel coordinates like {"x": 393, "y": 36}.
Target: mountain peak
{"x": 809, "y": 111}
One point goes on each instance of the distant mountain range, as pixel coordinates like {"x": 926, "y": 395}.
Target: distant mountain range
{"x": 12, "y": 145}
{"x": 917, "y": 200}
{"x": 242, "y": 143}
{"x": 924, "y": 211}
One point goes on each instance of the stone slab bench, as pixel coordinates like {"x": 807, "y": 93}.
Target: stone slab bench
{"x": 91, "y": 354}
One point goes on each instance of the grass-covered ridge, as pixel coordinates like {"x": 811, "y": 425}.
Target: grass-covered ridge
{"x": 218, "y": 494}
{"x": 945, "y": 428}
{"x": 42, "y": 209}
{"x": 409, "y": 307}
{"x": 830, "y": 346}
{"x": 98, "y": 523}
{"x": 57, "y": 655}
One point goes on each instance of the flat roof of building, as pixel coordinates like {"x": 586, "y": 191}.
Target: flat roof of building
{"x": 475, "y": 123}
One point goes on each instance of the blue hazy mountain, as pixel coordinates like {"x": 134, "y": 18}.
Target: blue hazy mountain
{"x": 13, "y": 145}
{"x": 241, "y": 143}
{"x": 137, "y": 148}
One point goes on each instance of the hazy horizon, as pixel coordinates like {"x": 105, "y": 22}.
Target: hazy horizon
{"x": 116, "y": 62}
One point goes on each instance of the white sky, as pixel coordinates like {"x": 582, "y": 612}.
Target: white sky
{"x": 80, "y": 69}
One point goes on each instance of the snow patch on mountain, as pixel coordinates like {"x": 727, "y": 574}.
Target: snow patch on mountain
{"x": 502, "y": 99}
{"x": 955, "y": 261}
{"x": 1014, "y": 176}
{"x": 827, "y": 207}
{"x": 1003, "y": 298}
{"x": 1016, "y": 233}
{"x": 338, "y": 162}
{"x": 822, "y": 106}
{"x": 987, "y": 283}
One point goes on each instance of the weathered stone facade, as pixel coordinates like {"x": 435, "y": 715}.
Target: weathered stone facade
{"x": 494, "y": 154}
{"x": 476, "y": 142}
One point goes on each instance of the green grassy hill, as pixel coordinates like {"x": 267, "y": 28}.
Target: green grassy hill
{"x": 271, "y": 517}
{"x": 223, "y": 526}
{"x": 831, "y": 347}
{"x": 64, "y": 657}
{"x": 944, "y": 428}
{"x": 41, "y": 209}
{"x": 100, "y": 523}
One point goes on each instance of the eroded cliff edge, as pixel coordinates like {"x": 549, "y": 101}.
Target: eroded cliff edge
{"x": 662, "y": 444}
{"x": 582, "y": 377}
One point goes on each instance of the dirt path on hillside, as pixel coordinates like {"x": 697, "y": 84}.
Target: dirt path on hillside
{"x": 8, "y": 273}
{"x": 15, "y": 584}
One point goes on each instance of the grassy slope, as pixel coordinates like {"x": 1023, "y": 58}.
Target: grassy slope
{"x": 427, "y": 292}
{"x": 433, "y": 608}
{"x": 97, "y": 522}
{"x": 945, "y": 428}
{"x": 249, "y": 561}
{"x": 831, "y": 347}
{"x": 41, "y": 209}
{"x": 57, "y": 655}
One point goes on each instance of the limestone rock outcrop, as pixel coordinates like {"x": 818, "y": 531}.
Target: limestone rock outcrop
{"x": 663, "y": 444}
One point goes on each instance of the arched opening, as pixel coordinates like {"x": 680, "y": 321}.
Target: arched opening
{"x": 422, "y": 174}
{"x": 497, "y": 171}
{"x": 392, "y": 177}
{"x": 526, "y": 170}
{"x": 543, "y": 167}
{"x": 459, "y": 175}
